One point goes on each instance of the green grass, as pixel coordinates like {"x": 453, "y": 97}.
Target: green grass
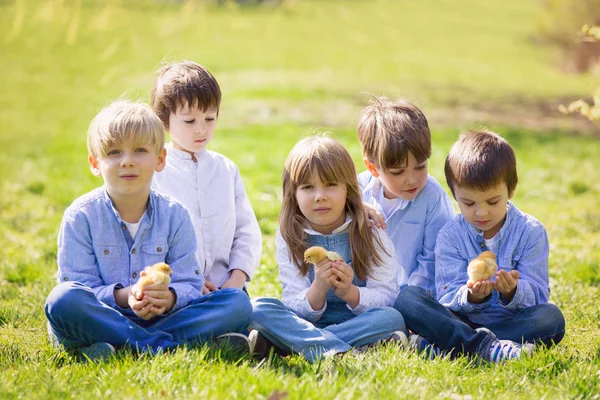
{"x": 285, "y": 73}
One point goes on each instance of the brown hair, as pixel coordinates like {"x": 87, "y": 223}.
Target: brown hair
{"x": 122, "y": 120}
{"x": 480, "y": 160}
{"x": 181, "y": 84}
{"x": 388, "y": 130}
{"x": 330, "y": 160}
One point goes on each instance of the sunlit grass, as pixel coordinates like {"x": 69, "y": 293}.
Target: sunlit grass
{"x": 285, "y": 72}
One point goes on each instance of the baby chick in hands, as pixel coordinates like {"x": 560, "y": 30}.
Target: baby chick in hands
{"x": 316, "y": 254}
{"x": 159, "y": 273}
{"x": 482, "y": 268}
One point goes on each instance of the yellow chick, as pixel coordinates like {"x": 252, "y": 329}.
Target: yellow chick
{"x": 316, "y": 254}
{"x": 483, "y": 267}
{"x": 159, "y": 273}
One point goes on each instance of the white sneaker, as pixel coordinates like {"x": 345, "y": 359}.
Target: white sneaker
{"x": 238, "y": 341}
{"x": 503, "y": 350}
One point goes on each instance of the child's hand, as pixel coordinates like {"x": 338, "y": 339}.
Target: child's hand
{"x": 236, "y": 280}
{"x": 506, "y": 283}
{"x": 323, "y": 273}
{"x": 141, "y": 308}
{"x": 374, "y": 215}
{"x": 479, "y": 291}
{"x": 159, "y": 296}
{"x": 342, "y": 278}
{"x": 208, "y": 287}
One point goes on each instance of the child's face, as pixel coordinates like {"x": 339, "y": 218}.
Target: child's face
{"x": 486, "y": 210}
{"x": 191, "y": 129}
{"x": 405, "y": 182}
{"x": 127, "y": 168}
{"x": 322, "y": 204}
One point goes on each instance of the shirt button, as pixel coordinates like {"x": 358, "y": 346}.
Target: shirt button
{"x": 445, "y": 287}
{"x": 133, "y": 251}
{"x": 106, "y": 252}
{"x": 123, "y": 227}
{"x": 66, "y": 278}
{"x": 482, "y": 245}
{"x": 197, "y": 272}
{"x": 134, "y": 275}
{"x": 159, "y": 249}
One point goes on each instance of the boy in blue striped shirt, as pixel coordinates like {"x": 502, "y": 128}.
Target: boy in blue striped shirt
{"x": 110, "y": 234}
{"x": 501, "y": 317}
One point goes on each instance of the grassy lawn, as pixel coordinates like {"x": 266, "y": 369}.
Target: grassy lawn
{"x": 285, "y": 73}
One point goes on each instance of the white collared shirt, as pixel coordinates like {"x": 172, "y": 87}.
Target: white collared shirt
{"x": 212, "y": 190}
{"x": 381, "y": 287}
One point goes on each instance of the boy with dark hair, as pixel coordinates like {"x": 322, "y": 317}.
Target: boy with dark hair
{"x": 497, "y": 318}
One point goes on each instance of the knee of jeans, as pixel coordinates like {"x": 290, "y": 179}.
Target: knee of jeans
{"x": 262, "y": 307}
{"x": 407, "y": 296}
{"x": 242, "y": 309}
{"x": 391, "y": 318}
{"x": 65, "y": 299}
{"x": 553, "y": 321}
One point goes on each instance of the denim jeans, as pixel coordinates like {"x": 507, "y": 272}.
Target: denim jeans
{"x": 292, "y": 333}
{"x": 543, "y": 323}
{"x": 76, "y": 318}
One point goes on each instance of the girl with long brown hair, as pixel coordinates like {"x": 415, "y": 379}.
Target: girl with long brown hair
{"x": 329, "y": 306}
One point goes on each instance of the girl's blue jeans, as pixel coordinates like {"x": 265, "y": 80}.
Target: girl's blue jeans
{"x": 292, "y": 333}
{"x": 449, "y": 330}
{"x": 76, "y": 318}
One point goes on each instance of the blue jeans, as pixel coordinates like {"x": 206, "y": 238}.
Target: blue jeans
{"x": 292, "y": 333}
{"x": 76, "y": 318}
{"x": 449, "y": 330}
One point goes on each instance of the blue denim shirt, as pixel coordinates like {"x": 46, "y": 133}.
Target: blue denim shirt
{"x": 413, "y": 228}
{"x": 522, "y": 245}
{"x": 96, "y": 249}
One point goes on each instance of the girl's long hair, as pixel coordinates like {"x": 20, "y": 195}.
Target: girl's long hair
{"x": 330, "y": 160}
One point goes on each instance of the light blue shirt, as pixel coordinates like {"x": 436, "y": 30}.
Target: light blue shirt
{"x": 96, "y": 249}
{"x": 413, "y": 227}
{"x": 522, "y": 245}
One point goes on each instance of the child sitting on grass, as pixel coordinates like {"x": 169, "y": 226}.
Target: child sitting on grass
{"x": 498, "y": 318}
{"x": 109, "y": 235}
{"x": 333, "y": 306}
{"x": 187, "y": 98}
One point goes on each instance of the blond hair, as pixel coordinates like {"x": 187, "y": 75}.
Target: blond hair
{"x": 182, "y": 84}
{"x": 388, "y": 130}
{"x": 328, "y": 159}
{"x": 123, "y": 120}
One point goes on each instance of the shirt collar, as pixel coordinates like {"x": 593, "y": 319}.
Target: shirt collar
{"x": 377, "y": 190}
{"x": 149, "y": 210}
{"x": 308, "y": 229}
{"x": 180, "y": 154}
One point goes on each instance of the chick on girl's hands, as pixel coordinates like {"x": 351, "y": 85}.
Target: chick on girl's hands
{"x": 506, "y": 283}
{"x": 323, "y": 274}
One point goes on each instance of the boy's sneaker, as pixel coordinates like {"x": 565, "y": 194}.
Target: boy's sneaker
{"x": 97, "y": 352}
{"x": 238, "y": 341}
{"x": 397, "y": 337}
{"x": 502, "y": 350}
{"x": 421, "y": 345}
{"x": 260, "y": 346}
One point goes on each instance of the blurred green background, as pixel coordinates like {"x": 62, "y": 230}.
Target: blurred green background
{"x": 288, "y": 69}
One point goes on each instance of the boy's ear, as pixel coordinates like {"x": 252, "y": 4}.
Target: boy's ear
{"x": 371, "y": 167}
{"x": 162, "y": 160}
{"x": 94, "y": 165}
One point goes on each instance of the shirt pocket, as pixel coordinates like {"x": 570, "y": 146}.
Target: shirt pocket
{"x": 155, "y": 252}
{"x": 108, "y": 256}
{"x": 508, "y": 263}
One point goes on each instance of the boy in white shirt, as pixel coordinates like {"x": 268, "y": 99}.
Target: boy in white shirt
{"x": 186, "y": 97}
